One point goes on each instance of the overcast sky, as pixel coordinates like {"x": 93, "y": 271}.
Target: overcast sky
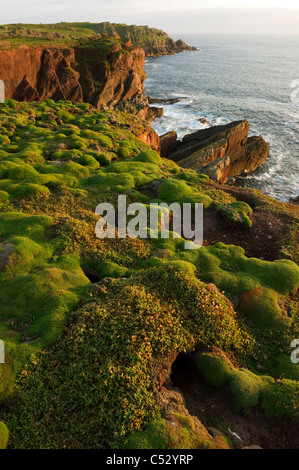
{"x": 173, "y": 16}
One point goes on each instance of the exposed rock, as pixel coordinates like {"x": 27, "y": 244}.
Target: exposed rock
{"x": 217, "y": 170}
{"x": 152, "y": 139}
{"x": 153, "y": 112}
{"x": 221, "y": 151}
{"x": 77, "y": 74}
{"x": 168, "y": 143}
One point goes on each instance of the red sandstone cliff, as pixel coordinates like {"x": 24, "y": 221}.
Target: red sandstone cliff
{"x": 115, "y": 79}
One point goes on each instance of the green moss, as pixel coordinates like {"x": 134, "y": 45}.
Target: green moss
{"x": 281, "y": 399}
{"x": 11, "y": 103}
{"x": 261, "y": 307}
{"x": 124, "y": 326}
{"x": 247, "y": 387}
{"x": 29, "y": 189}
{"x": 153, "y": 437}
{"x": 215, "y": 370}
{"x": 153, "y": 306}
{"x": 103, "y": 159}
{"x": 4, "y": 196}
{"x": 109, "y": 269}
{"x": 228, "y": 267}
{"x": 4, "y": 435}
{"x": 149, "y": 156}
{"x": 284, "y": 368}
{"x": 174, "y": 190}
{"x": 22, "y": 172}
{"x": 88, "y": 160}
{"x": 123, "y": 152}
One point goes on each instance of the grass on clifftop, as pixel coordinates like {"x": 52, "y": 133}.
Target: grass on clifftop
{"x": 73, "y": 34}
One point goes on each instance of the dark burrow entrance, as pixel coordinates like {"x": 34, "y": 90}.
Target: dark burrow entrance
{"x": 93, "y": 276}
{"x": 215, "y": 408}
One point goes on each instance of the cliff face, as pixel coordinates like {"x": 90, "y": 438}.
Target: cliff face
{"x": 221, "y": 151}
{"x": 113, "y": 78}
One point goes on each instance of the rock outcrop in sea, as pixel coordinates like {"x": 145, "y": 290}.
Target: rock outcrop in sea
{"x": 219, "y": 152}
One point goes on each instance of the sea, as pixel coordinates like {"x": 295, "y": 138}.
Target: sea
{"x": 232, "y": 78}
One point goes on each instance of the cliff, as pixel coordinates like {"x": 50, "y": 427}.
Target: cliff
{"x": 102, "y": 71}
{"x": 220, "y": 151}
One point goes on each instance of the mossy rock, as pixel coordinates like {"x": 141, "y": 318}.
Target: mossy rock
{"x": 281, "y": 399}
{"x": 284, "y": 368}
{"x": 30, "y": 189}
{"x": 236, "y": 212}
{"x": 246, "y": 387}
{"x": 4, "y": 436}
{"x": 88, "y": 160}
{"x": 178, "y": 431}
{"x": 148, "y": 156}
{"x": 215, "y": 370}
{"x": 109, "y": 269}
{"x": 261, "y": 307}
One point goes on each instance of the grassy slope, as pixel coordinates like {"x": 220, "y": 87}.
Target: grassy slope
{"x": 81, "y": 354}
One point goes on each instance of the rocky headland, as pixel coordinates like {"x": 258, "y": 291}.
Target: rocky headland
{"x": 155, "y": 42}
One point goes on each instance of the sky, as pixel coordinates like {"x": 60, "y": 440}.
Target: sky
{"x": 173, "y": 16}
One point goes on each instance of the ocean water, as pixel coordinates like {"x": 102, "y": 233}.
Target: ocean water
{"x": 232, "y": 78}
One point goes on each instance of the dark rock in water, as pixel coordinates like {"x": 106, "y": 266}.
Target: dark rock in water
{"x": 221, "y": 151}
{"x": 204, "y": 121}
{"x": 168, "y": 143}
{"x": 165, "y": 101}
